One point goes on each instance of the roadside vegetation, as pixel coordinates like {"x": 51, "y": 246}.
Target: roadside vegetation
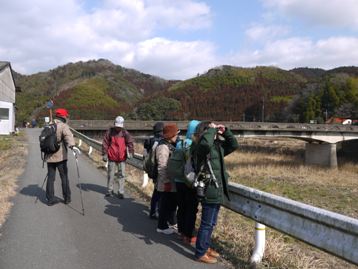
{"x": 275, "y": 166}
{"x": 13, "y": 153}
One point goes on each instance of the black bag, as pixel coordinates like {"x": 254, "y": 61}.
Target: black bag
{"x": 48, "y": 140}
{"x": 150, "y": 165}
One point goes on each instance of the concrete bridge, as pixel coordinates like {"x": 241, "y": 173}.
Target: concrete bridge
{"x": 321, "y": 146}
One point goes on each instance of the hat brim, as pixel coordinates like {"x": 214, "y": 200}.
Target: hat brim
{"x": 118, "y": 125}
{"x": 171, "y": 135}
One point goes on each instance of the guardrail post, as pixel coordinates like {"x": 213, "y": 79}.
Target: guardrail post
{"x": 260, "y": 239}
{"x": 145, "y": 180}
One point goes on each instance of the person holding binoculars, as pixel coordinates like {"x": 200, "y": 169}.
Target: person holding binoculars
{"x": 212, "y": 142}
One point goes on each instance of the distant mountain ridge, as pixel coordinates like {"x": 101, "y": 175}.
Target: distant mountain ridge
{"x": 98, "y": 89}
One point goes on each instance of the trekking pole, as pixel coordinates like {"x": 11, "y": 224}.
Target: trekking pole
{"x": 79, "y": 183}
{"x": 37, "y": 198}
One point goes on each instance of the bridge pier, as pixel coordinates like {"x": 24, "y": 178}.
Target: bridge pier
{"x": 321, "y": 154}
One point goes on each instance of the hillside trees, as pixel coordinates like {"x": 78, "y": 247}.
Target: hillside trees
{"x": 160, "y": 108}
{"x": 336, "y": 95}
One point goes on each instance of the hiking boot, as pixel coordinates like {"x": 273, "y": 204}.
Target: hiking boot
{"x": 207, "y": 259}
{"x": 166, "y": 231}
{"x": 213, "y": 253}
{"x": 190, "y": 240}
{"x": 52, "y": 202}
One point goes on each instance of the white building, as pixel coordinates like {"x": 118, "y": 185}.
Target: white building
{"x": 7, "y": 99}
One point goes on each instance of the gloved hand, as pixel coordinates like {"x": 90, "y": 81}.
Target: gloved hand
{"x": 167, "y": 187}
{"x": 129, "y": 155}
{"x": 76, "y": 151}
{"x": 105, "y": 158}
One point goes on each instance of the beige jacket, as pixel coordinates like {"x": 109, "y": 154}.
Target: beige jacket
{"x": 162, "y": 155}
{"x": 65, "y": 137}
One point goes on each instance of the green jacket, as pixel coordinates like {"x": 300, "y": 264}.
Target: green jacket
{"x": 215, "y": 150}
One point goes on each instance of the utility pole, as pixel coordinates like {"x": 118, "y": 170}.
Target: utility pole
{"x": 326, "y": 115}
{"x": 263, "y": 109}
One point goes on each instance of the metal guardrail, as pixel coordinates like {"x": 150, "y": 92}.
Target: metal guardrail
{"x": 326, "y": 230}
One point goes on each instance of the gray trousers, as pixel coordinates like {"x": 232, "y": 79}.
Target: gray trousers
{"x": 116, "y": 177}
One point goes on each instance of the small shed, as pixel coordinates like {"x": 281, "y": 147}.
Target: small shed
{"x": 7, "y": 99}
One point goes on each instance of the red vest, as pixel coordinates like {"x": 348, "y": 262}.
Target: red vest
{"x": 117, "y": 151}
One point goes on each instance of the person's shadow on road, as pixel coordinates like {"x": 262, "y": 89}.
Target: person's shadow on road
{"x": 34, "y": 191}
{"x": 133, "y": 216}
{"x": 92, "y": 187}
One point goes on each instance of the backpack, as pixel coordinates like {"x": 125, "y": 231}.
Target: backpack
{"x": 150, "y": 165}
{"x": 48, "y": 140}
{"x": 181, "y": 166}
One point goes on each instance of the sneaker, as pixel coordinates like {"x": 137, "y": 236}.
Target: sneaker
{"x": 120, "y": 196}
{"x": 67, "y": 201}
{"x": 166, "y": 231}
{"x": 207, "y": 259}
{"x": 213, "y": 253}
{"x": 174, "y": 227}
{"x": 153, "y": 217}
{"x": 108, "y": 194}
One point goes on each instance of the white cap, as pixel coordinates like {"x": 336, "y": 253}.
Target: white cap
{"x": 119, "y": 122}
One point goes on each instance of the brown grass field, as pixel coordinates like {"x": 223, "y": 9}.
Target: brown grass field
{"x": 13, "y": 151}
{"x": 275, "y": 166}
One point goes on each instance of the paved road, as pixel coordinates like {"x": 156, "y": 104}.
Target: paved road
{"x": 112, "y": 234}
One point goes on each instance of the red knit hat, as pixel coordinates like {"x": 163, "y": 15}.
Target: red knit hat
{"x": 170, "y": 130}
{"x": 62, "y": 113}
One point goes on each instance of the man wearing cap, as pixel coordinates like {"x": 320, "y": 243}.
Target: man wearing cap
{"x": 165, "y": 186}
{"x": 117, "y": 146}
{"x": 59, "y": 159}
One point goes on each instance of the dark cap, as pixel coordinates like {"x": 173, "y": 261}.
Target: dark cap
{"x": 158, "y": 127}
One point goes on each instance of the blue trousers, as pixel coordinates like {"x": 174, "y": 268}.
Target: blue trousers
{"x": 209, "y": 217}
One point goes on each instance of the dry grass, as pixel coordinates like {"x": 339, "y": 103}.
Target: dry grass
{"x": 12, "y": 162}
{"x": 275, "y": 166}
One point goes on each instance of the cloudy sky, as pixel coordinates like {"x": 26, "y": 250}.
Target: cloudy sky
{"x": 177, "y": 39}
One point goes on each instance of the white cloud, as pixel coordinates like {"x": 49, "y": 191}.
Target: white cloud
{"x": 301, "y": 52}
{"x": 259, "y": 32}
{"x": 182, "y": 59}
{"x": 40, "y": 35}
{"x": 338, "y": 13}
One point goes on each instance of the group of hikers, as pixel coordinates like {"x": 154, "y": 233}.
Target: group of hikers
{"x": 177, "y": 194}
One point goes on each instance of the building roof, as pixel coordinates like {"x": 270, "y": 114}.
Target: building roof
{"x": 3, "y": 65}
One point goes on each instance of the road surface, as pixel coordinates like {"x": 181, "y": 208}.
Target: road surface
{"x": 113, "y": 233}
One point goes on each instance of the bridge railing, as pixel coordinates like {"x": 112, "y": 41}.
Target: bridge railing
{"x": 233, "y": 125}
{"x": 331, "y": 232}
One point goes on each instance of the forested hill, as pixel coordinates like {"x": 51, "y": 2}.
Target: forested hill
{"x": 259, "y": 94}
{"x": 102, "y": 90}
{"x": 90, "y": 90}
